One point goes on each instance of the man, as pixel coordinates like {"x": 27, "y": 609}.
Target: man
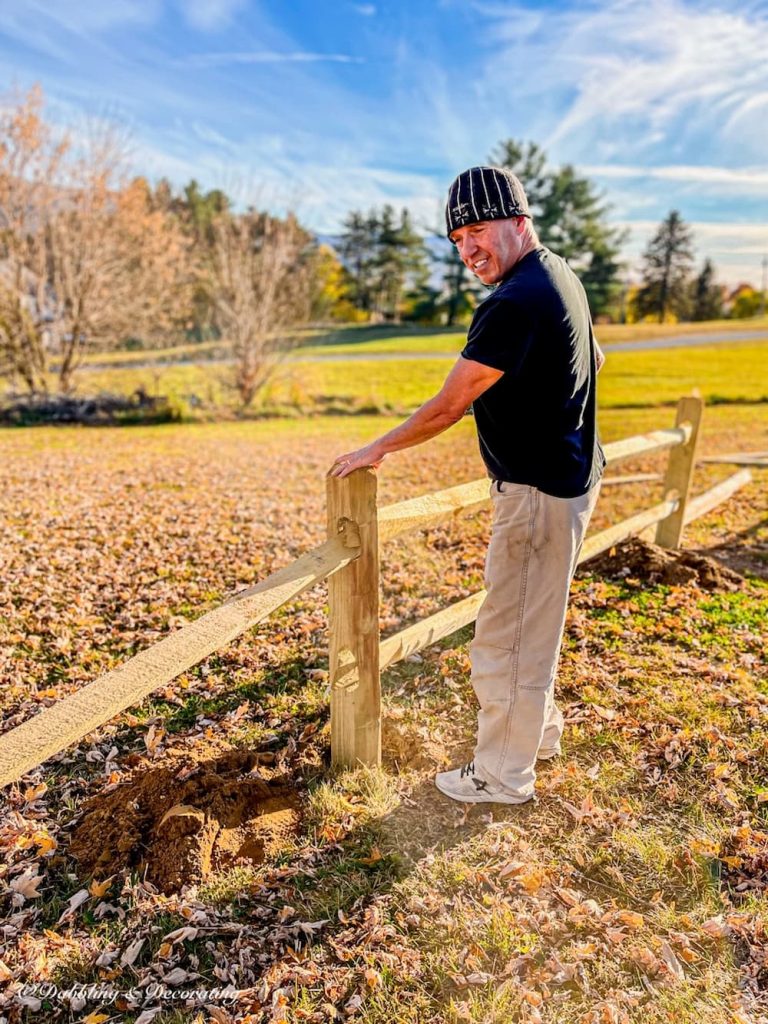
{"x": 528, "y": 369}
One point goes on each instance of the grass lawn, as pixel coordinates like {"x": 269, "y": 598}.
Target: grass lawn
{"x": 633, "y": 891}
{"x": 723, "y": 373}
{"x": 413, "y": 338}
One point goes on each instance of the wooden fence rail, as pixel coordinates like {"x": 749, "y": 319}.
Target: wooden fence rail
{"x": 349, "y": 559}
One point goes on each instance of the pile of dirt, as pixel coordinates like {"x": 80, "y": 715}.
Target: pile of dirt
{"x": 183, "y": 819}
{"x": 643, "y": 561}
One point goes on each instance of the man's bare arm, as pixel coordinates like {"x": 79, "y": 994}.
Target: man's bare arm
{"x": 466, "y": 381}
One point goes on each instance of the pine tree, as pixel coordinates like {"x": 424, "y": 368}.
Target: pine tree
{"x": 706, "y": 295}
{"x": 666, "y": 270}
{"x": 460, "y": 288}
{"x": 384, "y": 256}
{"x": 357, "y": 248}
{"x": 570, "y": 218}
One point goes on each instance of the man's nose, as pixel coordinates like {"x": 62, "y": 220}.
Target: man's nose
{"x": 467, "y": 249}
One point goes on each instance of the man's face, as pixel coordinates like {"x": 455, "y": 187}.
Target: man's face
{"x": 491, "y": 248}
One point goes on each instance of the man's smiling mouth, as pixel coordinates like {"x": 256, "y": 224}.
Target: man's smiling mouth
{"x": 480, "y": 263}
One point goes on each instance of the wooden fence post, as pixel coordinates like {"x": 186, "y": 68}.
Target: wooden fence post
{"x": 353, "y": 621}
{"x": 679, "y": 473}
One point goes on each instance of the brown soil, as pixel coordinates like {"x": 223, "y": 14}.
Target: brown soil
{"x": 648, "y": 562}
{"x": 180, "y": 820}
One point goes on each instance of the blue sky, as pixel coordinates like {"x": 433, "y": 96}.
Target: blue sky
{"x": 328, "y": 106}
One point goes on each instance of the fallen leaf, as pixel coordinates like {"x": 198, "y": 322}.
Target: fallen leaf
{"x": 99, "y": 889}
{"x": 669, "y": 958}
{"x": 176, "y": 976}
{"x": 374, "y": 857}
{"x": 35, "y": 792}
{"x": 631, "y": 918}
{"x": 147, "y": 1016}
{"x": 74, "y": 902}
{"x": 182, "y": 811}
{"x": 716, "y": 927}
{"x": 28, "y": 883}
{"x": 607, "y": 713}
{"x": 131, "y": 953}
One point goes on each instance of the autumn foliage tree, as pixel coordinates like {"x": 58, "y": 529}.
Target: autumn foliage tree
{"x": 260, "y": 276}
{"x": 86, "y": 259}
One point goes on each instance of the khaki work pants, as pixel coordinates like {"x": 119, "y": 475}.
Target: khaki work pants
{"x": 532, "y": 556}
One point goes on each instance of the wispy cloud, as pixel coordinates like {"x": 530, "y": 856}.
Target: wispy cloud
{"x": 210, "y": 15}
{"x": 85, "y": 16}
{"x": 748, "y": 180}
{"x": 212, "y": 60}
{"x": 367, "y": 10}
{"x": 637, "y": 77}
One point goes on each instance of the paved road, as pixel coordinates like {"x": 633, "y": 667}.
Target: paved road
{"x": 678, "y": 341}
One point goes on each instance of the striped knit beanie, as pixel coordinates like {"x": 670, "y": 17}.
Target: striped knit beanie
{"x": 484, "y": 193}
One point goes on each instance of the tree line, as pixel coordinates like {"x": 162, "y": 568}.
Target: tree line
{"x": 92, "y": 258}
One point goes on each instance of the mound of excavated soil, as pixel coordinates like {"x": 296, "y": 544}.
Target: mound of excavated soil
{"x": 644, "y": 561}
{"x": 185, "y": 818}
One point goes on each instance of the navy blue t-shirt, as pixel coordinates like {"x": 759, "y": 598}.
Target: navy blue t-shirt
{"x": 537, "y": 423}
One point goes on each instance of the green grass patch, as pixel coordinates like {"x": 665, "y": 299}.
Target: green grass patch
{"x": 722, "y": 373}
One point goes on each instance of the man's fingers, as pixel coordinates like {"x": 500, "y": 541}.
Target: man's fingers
{"x": 341, "y": 466}
{"x": 346, "y": 464}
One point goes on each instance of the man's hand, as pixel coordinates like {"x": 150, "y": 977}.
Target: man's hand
{"x": 371, "y": 455}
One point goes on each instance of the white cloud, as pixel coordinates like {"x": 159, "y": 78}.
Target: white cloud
{"x": 747, "y": 180}
{"x": 210, "y": 15}
{"x": 736, "y": 249}
{"x": 367, "y": 10}
{"x": 638, "y": 77}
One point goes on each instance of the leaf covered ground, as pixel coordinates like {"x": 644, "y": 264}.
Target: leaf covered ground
{"x": 633, "y": 890}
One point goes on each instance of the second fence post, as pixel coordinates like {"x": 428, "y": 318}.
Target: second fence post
{"x": 682, "y": 460}
{"x": 353, "y": 623}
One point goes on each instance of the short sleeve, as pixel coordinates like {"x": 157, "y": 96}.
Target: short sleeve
{"x": 500, "y": 335}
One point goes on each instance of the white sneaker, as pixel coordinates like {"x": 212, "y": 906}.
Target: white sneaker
{"x": 464, "y": 785}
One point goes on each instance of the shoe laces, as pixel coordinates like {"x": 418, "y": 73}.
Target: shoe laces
{"x": 469, "y": 769}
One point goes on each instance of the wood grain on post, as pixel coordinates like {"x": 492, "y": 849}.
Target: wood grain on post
{"x": 353, "y": 624}
{"x": 679, "y": 473}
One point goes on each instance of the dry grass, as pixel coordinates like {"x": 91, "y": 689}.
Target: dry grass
{"x": 631, "y": 891}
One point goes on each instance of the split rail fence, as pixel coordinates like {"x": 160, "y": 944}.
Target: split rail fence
{"x": 349, "y": 559}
